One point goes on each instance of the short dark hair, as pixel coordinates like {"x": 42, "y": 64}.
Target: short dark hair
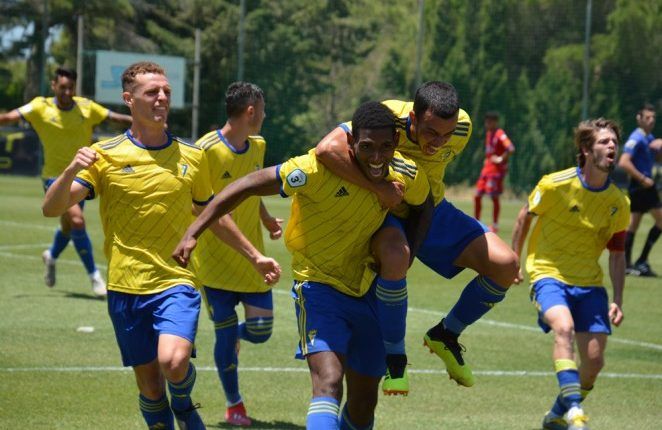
{"x": 239, "y": 96}
{"x": 646, "y": 106}
{"x": 439, "y": 97}
{"x": 66, "y": 72}
{"x": 372, "y": 115}
{"x": 139, "y": 68}
{"x": 492, "y": 114}
{"x": 585, "y": 134}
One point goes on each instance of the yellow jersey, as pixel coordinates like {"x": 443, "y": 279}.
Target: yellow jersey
{"x": 574, "y": 224}
{"x": 62, "y": 132}
{"x": 146, "y": 205}
{"x": 332, "y": 221}
{"x": 215, "y": 263}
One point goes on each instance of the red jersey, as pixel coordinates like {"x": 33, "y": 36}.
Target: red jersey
{"x": 496, "y": 143}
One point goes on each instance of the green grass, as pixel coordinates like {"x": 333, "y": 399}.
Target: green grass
{"x": 57, "y": 378}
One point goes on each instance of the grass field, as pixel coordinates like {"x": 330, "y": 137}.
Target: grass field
{"x": 57, "y": 378}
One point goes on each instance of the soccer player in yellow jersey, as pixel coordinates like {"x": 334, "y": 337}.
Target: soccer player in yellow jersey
{"x": 434, "y": 130}
{"x": 580, "y": 213}
{"x": 64, "y": 124}
{"x": 233, "y": 151}
{"x": 148, "y": 181}
{"x": 329, "y": 232}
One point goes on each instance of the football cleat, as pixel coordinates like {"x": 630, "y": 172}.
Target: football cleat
{"x": 577, "y": 419}
{"x": 49, "y": 274}
{"x": 630, "y": 270}
{"x": 396, "y": 381}
{"x": 98, "y": 284}
{"x": 554, "y": 422}
{"x": 644, "y": 269}
{"x": 444, "y": 343}
{"x": 189, "y": 419}
{"x": 236, "y": 415}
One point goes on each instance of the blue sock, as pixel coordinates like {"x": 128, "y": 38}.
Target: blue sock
{"x": 346, "y": 423}
{"x": 225, "y": 356}
{"x": 157, "y": 413}
{"x": 479, "y": 296}
{"x": 180, "y": 392}
{"x": 256, "y": 330}
{"x": 60, "y": 242}
{"x": 392, "y": 313}
{"x": 322, "y": 414}
{"x": 568, "y": 378}
{"x": 84, "y": 248}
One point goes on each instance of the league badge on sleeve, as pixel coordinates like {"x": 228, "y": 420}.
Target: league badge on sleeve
{"x": 296, "y": 178}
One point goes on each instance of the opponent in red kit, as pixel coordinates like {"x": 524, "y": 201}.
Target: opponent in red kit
{"x": 498, "y": 148}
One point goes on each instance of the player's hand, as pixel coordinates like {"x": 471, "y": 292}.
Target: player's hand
{"x": 519, "y": 278}
{"x": 182, "y": 254}
{"x": 84, "y": 158}
{"x": 647, "y": 182}
{"x": 656, "y": 145}
{"x": 268, "y": 268}
{"x": 275, "y": 227}
{"x": 390, "y": 194}
{"x": 615, "y": 314}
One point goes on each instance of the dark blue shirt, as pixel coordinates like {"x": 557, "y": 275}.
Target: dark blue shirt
{"x": 643, "y": 157}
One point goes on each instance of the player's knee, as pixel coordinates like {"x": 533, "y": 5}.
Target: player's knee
{"x": 393, "y": 254}
{"x": 594, "y": 364}
{"x": 328, "y": 383}
{"x": 564, "y": 334}
{"x": 504, "y": 267}
{"x": 77, "y": 222}
{"x": 256, "y": 330}
{"x": 175, "y": 364}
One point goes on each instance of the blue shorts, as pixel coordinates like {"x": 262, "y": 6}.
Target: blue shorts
{"x": 451, "y": 230}
{"x": 140, "y": 319}
{"x": 329, "y": 320}
{"x": 589, "y": 306}
{"x": 47, "y": 182}
{"x": 221, "y": 303}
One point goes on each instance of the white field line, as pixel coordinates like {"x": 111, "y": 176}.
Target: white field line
{"x": 26, "y": 246}
{"x": 28, "y": 225}
{"x": 496, "y": 373}
{"x": 440, "y": 314}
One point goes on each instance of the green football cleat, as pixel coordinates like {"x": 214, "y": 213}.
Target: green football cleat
{"x": 444, "y": 343}
{"x": 396, "y": 386}
{"x": 554, "y": 422}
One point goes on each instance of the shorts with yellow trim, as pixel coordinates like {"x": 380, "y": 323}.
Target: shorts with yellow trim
{"x": 589, "y": 306}
{"x": 329, "y": 320}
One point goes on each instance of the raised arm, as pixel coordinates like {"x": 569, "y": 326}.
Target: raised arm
{"x": 119, "y": 117}
{"x": 64, "y": 192}
{"x": 264, "y": 182}
{"x": 520, "y": 231}
{"x": 10, "y": 117}
{"x": 333, "y": 151}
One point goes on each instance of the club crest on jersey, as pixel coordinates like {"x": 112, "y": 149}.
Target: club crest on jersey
{"x": 613, "y": 210}
{"x": 128, "y": 169}
{"x": 296, "y": 178}
{"x": 184, "y": 169}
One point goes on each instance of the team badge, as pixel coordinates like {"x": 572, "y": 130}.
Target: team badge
{"x": 184, "y": 169}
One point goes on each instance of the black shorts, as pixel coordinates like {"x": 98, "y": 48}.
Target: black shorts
{"x": 644, "y": 199}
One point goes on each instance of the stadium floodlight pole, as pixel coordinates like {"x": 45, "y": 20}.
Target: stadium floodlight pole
{"x": 196, "y": 87}
{"x": 419, "y": 42}
{"x": 587, "y": 46}
{"x": 240, "y": 47}
{"x": 79, "y": 56}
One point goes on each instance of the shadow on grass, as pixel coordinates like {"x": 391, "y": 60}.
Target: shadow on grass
{"x": 82, "y": 296}
{"x": 260, "y": 425}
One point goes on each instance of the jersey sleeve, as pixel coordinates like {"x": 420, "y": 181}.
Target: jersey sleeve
{"x": 216, "y": 163}
{"x": 417, "y": 189}
{"x": 32, "y": 111}
{"x": 506, "y": 142}
{"x": 299, "y": 175}
{"x": 622, "y": 216}
{"x": 201, "y": 188}
{"x": 98, "y": 113}
{"x": 541, "y": 198}
{"x": 631, "y": 145}
{"x": 90, "y": 178}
